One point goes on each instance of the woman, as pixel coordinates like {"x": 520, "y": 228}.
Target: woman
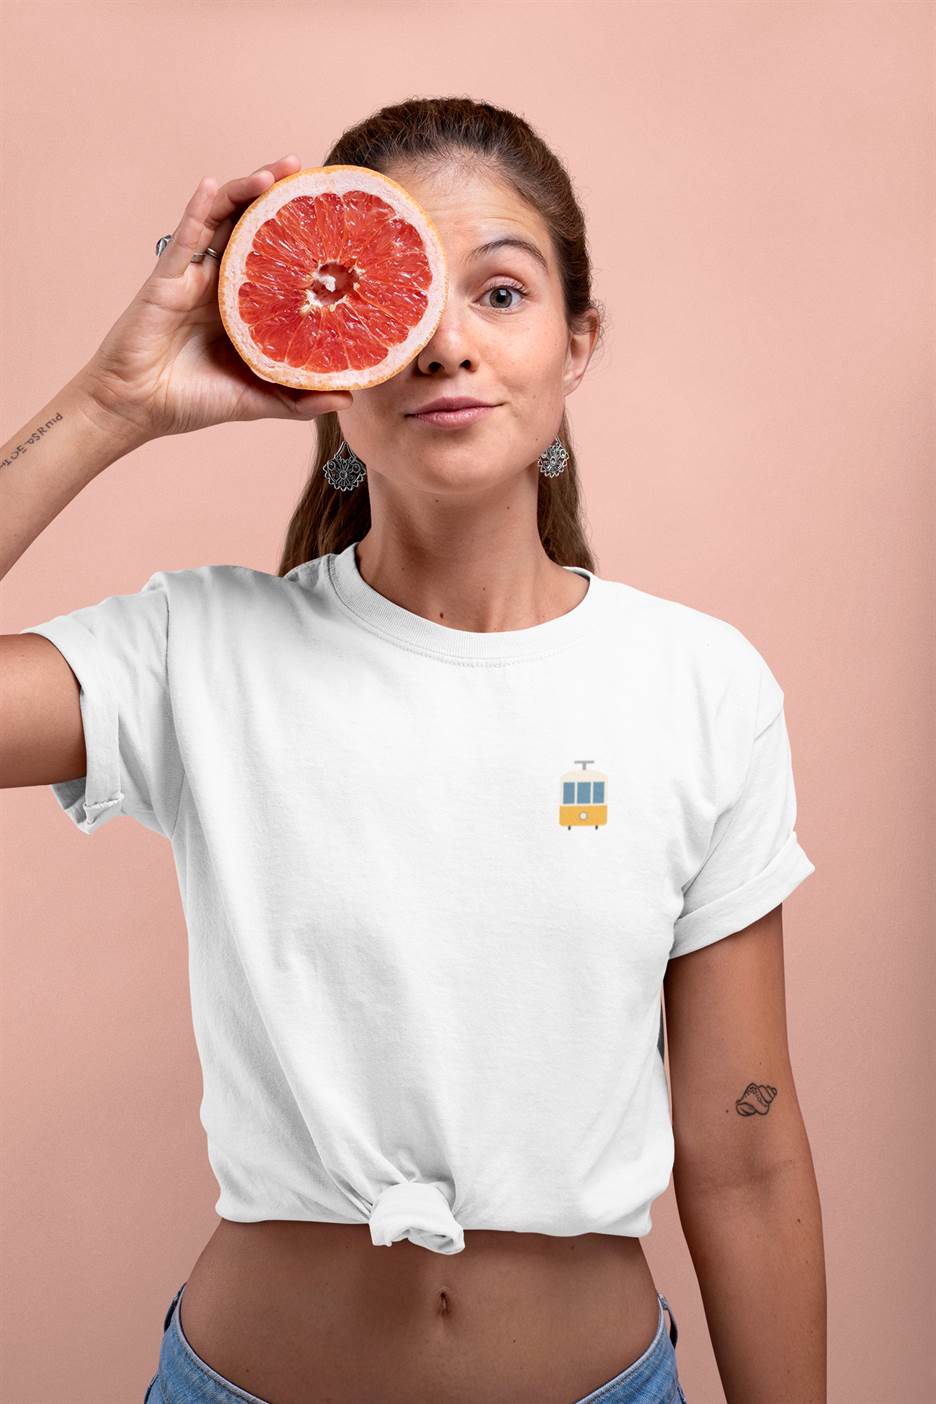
{"x": 445, "y": 806}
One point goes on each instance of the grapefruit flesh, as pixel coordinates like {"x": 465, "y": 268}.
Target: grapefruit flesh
{"x": 333, "y": 279}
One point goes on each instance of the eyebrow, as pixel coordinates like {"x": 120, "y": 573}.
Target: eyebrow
{"x": 511, "y": 241}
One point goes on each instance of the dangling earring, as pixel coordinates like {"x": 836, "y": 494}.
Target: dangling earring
{"x": 344, "y": 470}
{"x": 553, "y": 461}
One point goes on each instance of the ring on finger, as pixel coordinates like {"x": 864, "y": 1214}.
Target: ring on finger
{"x": 196, "y": 258}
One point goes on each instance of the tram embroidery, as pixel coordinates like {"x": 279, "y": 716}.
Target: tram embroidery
{"x": 584, "y": 802}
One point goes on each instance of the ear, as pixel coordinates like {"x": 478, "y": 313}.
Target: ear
{"x": 579, "y": 353}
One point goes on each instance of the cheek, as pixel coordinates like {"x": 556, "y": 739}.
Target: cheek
{"x": 533, "y": 360}
{"x": 361, "y": 421}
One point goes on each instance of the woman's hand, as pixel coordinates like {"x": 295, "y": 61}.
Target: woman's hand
{"x": 167, "y": 365}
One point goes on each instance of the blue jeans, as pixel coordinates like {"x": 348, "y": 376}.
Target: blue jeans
{"x": 184, "y": 1378}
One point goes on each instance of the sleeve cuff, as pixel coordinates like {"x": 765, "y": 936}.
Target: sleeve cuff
{"x": 97, "y": 796}
{"x": 736, "y": 910}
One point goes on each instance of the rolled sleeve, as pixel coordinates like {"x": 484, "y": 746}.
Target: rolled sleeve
{"x": 754, "y": 860}
{"x": 97, "y": 797}
{"x": 118, "y": 651}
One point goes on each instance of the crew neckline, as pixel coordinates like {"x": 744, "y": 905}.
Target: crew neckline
{"x": 395, "y": 622}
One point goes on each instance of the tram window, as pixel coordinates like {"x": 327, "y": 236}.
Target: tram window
{"x": 584, "y": 792}
{"x": 568, "y": 792}
{"x": 598, "y": 791}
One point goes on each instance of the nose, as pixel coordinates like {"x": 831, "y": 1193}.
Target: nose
{"x": 419, "y": 1212}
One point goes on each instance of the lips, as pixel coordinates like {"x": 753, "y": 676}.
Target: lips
{"x": 451, "y": 402}
{"x": 451, "y": 419}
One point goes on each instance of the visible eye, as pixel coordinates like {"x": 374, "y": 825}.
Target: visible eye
{"x": 506, "y": 287}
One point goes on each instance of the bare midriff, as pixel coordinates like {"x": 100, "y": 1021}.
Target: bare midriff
{"x": 316, "y": 1313}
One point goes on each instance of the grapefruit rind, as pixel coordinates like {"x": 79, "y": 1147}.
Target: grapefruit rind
{"x": 316, "y": 180}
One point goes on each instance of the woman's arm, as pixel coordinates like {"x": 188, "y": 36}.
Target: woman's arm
{"x": 165, "y": 367}
{"x": 42, "y": 467}
{"x": 51, "y": 458}
{"x": 743, "y": 1175}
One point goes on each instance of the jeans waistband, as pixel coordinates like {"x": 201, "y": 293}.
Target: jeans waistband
{"x": 179, "y": 1361}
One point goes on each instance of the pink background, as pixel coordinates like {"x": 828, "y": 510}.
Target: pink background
{"x": 756, "y": 440}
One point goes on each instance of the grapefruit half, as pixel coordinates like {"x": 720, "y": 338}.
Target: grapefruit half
{"x": 333, "y": 279}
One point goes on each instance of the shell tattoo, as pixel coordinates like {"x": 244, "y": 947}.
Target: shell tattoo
{"x": 755, "y": 1100}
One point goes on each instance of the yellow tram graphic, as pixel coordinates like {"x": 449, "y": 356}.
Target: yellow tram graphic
{"x": 584, "y": 801}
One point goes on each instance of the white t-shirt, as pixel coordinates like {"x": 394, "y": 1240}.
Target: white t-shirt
{"x": 432, "y": 879}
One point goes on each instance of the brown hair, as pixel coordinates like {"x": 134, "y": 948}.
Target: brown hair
{"x": 430, "y": 132}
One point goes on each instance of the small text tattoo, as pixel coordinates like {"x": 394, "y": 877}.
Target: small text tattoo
{"x": 34, "y": 438}
{"x": 755, "y": 1100}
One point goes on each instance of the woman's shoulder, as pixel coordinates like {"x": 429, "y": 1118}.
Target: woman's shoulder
{"x": 695, "y": 652}
{"x": 230, "y": 582}
{"x": 675, "y": 621}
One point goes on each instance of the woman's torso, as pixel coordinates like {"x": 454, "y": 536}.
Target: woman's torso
{"x": 295, "y": 1311}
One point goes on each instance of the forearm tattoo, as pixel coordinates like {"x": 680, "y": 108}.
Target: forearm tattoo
{"x": 755, "y": 1100}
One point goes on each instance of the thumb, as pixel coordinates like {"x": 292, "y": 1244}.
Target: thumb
{"x": 318, "y": 402}
{"x": 265, "y": 400}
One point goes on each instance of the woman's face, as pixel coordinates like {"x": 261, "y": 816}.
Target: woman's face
{"x": 510, "y": 348}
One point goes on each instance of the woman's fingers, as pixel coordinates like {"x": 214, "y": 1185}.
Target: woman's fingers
{"x": 188, "y": 235}
{"x": 210, "y": 214}
{"x": 231, "y": 199}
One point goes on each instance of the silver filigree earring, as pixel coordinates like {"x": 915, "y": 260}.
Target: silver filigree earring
{"x": 344, "y": 470}
{"x": 553, "y": 461}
